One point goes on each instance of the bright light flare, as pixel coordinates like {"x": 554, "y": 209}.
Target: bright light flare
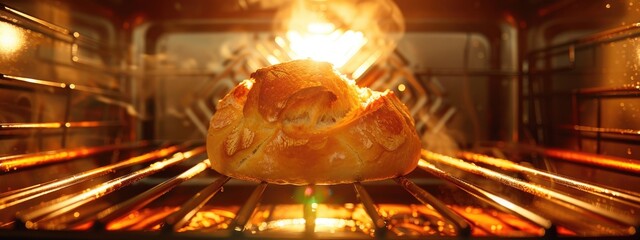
{"x": 351, "y": 35}
{"x": 320, "y": 27}
{"x": 10, "y": 38}
{"x": 322, "y": 42}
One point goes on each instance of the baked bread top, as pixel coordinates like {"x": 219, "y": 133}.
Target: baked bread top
{"x": 301, "y": 123}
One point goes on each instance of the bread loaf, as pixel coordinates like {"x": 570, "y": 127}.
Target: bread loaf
{"x": 301, "y": 123}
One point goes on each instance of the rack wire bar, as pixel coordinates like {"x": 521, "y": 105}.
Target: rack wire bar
{"x": 609, "y": 36}
{"x": 462, "y": 227}
{"x": 511, "y": 166}
{"x": 463, "y": 72}
{"x": 104, "y": 217}
{"x": 378, "y": 221}
{"x": 244, "y": 214}
{"x": 623, "y": 91}
{"x": 528, "y": 187}
{"x": 7, "y": 225}
{"x": 74, "y": 219}
{"x": 56, "y": 125}
{"x": 178, "y": 219}
{"x": 611, "y": 162}
{"x": 618, "y": 131}
{"x": 17, "y": 196}
{"x": 59, "y": 85}
{"x": 594, "y": 39}
{"x": 36, "y": 20}
{"x": 492, "y": 199}
{"x": 73, "y": 36}
{"x": 17, "y": 162}
{"x": 310, "y": 208}
{"x": 47, "y": 210}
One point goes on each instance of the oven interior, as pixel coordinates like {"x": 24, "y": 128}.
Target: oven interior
{"x": 528, "y": 112}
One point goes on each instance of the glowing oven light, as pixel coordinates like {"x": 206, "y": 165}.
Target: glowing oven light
{"x": 352, "y": 35}
{"x": 320, "y": 27}
{"x": 10, "y": 38}
{"x": 323, "y": 43}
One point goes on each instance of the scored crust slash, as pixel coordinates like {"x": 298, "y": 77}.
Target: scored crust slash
{"x": 301, "y": 123}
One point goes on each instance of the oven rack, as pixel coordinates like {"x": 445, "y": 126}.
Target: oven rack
{"x": 542, "y": 67}
{"x": 58, "y": 214}
{"x": 44, "y": 106}
{"x": 57, "y": 156}
{"x": 76, "y": 40}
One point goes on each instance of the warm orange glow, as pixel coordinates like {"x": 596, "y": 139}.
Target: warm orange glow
{"x": 322, "y": 42}
{"x": 30, "y": 125}
{"x": 511, "y": 166}
{"x": 141, "y": 220}
{"x": 31, "y": 193}
{"x": 352, "y": 35}
{"x": 405, "y": 220}
{"x": 624, "y": 164}
{"x": 321, "y": 27}
{"x": 521, "y": 185}
{"x": 10, "y": 38}
{"x": 65, "y": 204}
{"x": 11, "y": 163}
{"x": 489, "y": 222}
{"x": 297, "y": 224}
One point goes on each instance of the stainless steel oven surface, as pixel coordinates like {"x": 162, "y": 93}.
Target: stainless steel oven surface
{"x": 528, "y": 112}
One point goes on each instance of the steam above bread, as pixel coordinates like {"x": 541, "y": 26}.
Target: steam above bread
{"x": 300, "y": 122}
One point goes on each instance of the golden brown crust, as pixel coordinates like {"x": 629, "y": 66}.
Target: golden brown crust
{"x": 301, "y": 123}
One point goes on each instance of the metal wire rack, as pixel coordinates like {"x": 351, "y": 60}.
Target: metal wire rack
{"x": 57, "y": 206}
